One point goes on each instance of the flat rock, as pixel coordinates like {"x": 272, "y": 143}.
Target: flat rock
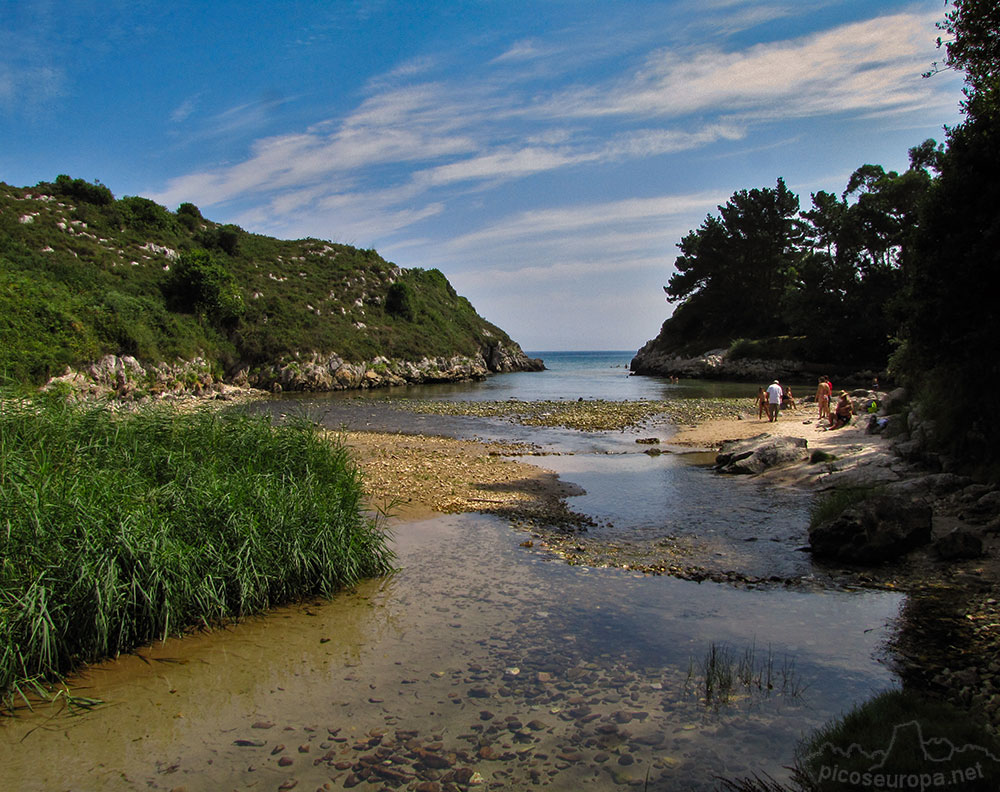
{"x": 759, "y": 453}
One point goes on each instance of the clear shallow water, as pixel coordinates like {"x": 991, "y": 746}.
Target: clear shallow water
{"x": 430, "y": 650}
{"x": 473, "y": 634}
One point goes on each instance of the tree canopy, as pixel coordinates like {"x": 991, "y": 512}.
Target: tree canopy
{"x": 950, "y": 332}
{"x": 829, "y": 274}
{"x": 898, "y": 263}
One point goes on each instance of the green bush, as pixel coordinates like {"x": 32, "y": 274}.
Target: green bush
{"x": 41, "y": 328}
{"x": 829, "y": 505}
{"x": 142, "y": 214}
{"x": 199, "y": 284}
{"x": 80, "y": 190}
{"x": 122, "y": 528}
{"x": 399, "y": 301}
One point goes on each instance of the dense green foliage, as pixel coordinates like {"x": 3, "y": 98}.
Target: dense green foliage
{"x": 949, "y": 352}
{"x": 898, "y": 264}
{"x": 827, "y": 276}
{"x": 83, "y": 275}
{"x": 732, "y": 271}
{"x": 122, "y": 528}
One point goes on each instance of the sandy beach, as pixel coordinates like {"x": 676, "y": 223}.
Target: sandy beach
{"x": 851, "y": 445}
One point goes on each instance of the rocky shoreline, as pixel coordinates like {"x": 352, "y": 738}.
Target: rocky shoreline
{"x": 948, "y": 562}
{"x": 717, "y": 364}
{"x": 125, "y": 378}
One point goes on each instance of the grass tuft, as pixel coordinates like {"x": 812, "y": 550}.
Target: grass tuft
{"x": 832, "y": 503}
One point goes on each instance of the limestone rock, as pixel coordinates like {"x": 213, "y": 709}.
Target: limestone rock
{"x": 759, "y": 453}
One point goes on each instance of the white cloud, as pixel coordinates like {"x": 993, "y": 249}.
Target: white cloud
{"x": 860, "y": 66}
{"x": 565, "y": 223}
{"x": 184, "y": 110}
{"x": 410, "y": 151}
{"x": 527, "y": 49}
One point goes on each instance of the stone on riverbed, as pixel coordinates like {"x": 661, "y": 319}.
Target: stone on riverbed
{"x": 878, "y": 529}
{"x": 759, "y": 453}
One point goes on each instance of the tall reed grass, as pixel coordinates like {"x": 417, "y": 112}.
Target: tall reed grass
{"x": 116, "y": 529}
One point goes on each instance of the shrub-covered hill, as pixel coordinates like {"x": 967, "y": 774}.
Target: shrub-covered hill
{"x": 84, "y": 275}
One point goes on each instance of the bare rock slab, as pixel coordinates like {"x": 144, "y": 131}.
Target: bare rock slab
{"x": 759, "y": 453}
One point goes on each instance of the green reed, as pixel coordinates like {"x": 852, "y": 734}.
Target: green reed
{"x": 726, "y": 675}
{"x": 117, "y": 529}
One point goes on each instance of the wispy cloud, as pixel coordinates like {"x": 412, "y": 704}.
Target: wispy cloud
{"x": 528, "y": 49}
{"x": 564, "y": 222}
{"x": 184, "y": 110}
{"x": 29, "y": 87}
{"x": 432, "y": 142}
{"x": 860, "y": 66}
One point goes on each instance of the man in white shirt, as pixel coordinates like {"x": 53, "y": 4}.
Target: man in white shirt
{"x": 773, "y": 400}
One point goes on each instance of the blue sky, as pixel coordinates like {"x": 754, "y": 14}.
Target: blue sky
{"x": 546, "y": 155}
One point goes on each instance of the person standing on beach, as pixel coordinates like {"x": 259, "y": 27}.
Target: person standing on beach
{"x": 762, "y": 403}
{"x": 823, "y": 393}
{"x": 774, "y": 393}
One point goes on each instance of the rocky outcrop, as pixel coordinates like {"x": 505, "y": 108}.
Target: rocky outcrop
{"x": 715, "y": 364}
{"x": 124, "y": 377}
{"x": 332, "y": 373}
{"x": 958, "y": 544}
{"x": 501, "y": 359}
{"x": 878, "y": 529}
{"x": 759, "y": 453}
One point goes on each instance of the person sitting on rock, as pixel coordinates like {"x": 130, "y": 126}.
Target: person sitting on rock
{"x": 841, "y": 415}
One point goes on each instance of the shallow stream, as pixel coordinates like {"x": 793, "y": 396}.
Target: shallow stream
{"x": 486, "y": 654}
{"x": 493, "y": 665}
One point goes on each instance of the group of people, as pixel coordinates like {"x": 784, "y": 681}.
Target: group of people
{"x": 840, "y": 414}
{"x": 775, "y": 397}
{"x": 772, "y": 399}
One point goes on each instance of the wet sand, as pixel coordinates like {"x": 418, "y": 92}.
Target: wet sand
{"x": 850, "y": 444}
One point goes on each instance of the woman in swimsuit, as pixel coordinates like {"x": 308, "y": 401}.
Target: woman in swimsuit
{"x": 823, "y": 397}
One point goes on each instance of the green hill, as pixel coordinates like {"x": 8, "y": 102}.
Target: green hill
{"x": 84, "y": 275}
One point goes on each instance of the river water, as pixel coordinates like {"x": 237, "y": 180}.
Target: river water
{"x": 484, "y": 660}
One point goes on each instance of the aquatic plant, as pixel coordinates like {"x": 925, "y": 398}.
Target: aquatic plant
{"x": 592, "y": 415}
{"x": 117, "y": 529}
{"x": 725, "y": 675}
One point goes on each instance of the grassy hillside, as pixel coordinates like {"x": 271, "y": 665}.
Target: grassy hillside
{"x": 83, "y": 274}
